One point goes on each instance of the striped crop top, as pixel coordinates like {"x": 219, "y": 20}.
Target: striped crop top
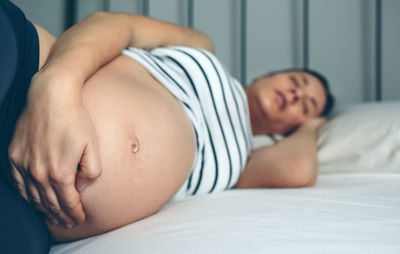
{"x": 217, "y": 107}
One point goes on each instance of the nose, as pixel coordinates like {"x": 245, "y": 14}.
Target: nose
{"x": 295, "y": 94}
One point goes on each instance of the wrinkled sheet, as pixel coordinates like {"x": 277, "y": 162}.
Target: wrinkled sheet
{"x": 344, "y": 213}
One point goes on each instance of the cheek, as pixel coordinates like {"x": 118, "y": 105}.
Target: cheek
{"x": 267, "y": 98}
{"x": 294, "y": 121}
{"x": 298, "y": 121}
{"x": 295, "y": 115}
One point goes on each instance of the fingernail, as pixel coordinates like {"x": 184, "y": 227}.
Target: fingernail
{"x": 83, "y": 186}
{"x": 68, "y": 225}
{"x": 54, "y": 221}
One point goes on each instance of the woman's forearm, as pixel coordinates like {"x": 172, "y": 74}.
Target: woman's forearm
{"x": 297, "y": 154}
{"x": 290, "y": 163}
{"x": 94, "y": 41}
{"x": 81, "y": 50}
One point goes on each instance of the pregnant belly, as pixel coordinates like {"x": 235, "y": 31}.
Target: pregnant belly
{"x": 146, "y": 145}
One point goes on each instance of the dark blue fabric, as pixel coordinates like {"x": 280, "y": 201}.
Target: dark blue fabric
{"x": 22, "y": 229}
{"x": 8, "y": 60}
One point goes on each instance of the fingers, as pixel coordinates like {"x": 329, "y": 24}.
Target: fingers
{"x": 52, "y": 203}
{"x": 52, "y": 189}
{"x": 19, "y": 182}
{"x": 53, "y": 208}
{"x": 69, "y": 199}
{"x": 46, "y": 149}
{"x": 42, "y": 196}
{"x": 37, "y": 199}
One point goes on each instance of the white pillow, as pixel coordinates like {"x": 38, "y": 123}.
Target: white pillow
{"x": 364, "y": 138}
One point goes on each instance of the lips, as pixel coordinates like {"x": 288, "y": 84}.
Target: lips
{"x": 281, "y": 100}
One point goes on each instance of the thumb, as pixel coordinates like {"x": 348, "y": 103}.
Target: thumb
{"x": 89, "y": 167}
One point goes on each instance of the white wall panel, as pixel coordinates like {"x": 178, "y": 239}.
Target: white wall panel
{"x": 86, "y": 7}
{"x": 269, "y": 36}
{"x": 342, "y": 36}
{"x": 368, "y": 46}
{"x": 391, "y": 49}
{"x": 336, "y": 46}
{"x": 130, "y": 6}
{"x": 174, "y": 11}
{"x": 216, "y": 19}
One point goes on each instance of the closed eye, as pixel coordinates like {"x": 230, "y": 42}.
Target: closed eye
{"x": 305, "y": 107}
{"x": 315, "y": 105}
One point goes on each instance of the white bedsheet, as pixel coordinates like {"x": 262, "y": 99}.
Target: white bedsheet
{"x": 345, "y": 213}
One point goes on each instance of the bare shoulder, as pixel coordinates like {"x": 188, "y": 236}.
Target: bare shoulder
{"x": 46, "y": 42}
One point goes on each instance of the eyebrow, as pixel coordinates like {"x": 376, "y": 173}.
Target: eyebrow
{"x": 295, "y": 81}
{"x": 305, "y": 80}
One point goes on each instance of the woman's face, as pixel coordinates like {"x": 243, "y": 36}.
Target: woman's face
{"x": 281, "y": 102}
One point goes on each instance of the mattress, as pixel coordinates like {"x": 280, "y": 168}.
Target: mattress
{"x": 354, "y": 207}
{"x": 343, "y": 213}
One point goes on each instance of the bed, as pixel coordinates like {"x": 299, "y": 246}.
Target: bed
{"x": 354, "y": 207}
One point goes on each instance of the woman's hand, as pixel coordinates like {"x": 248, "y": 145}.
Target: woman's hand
{"x": 313, "y": 125}
{"x": 53, "y": 153}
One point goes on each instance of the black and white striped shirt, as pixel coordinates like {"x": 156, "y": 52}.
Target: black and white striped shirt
{"x": 217, "y": 107}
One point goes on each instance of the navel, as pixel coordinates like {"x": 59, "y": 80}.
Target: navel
{"x": 135, "y": 146}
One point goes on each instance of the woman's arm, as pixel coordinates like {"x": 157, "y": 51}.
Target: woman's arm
{"x": 291, "y": 163}
{"x": 55, "y": 135}
{"x": 100, "y": 37}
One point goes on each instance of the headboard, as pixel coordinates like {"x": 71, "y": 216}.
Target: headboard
{"x": 354, "y": 43}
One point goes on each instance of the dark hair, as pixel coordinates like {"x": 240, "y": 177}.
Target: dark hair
{"x": 330, "y": 100}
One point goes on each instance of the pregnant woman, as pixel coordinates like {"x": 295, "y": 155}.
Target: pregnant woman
{"x": 95, "y": 139}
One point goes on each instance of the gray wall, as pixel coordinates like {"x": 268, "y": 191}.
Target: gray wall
{"x": 341, "y": 43}
{"x": 48, "y": 13}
